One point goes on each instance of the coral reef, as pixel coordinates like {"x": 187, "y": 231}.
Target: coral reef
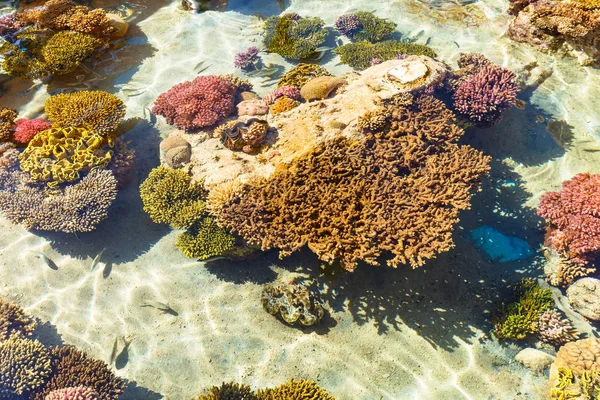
{"x": 373, "y": 121}
{"x": 573, "y": 218}
{"x": 205, "y": 239}
{"x": 518, "y": 319}
{"x": 200, "y": 103}
{"x": 76, "y": 208}
{"x": 24, "y": 364}
{"x": 7, "y": 121}
{"x": 65, "y": 50}
{"x": 561, "y": 271}
{"x": 553, "y": 329}
{"x": 411, "y": 73}
{"x": 27, "y": 129}
{"x": 292, "y": 302}
{"x": 294, "y": 37}
{"x": 321, "y": 87}
{"x": 60, "y": 155}
{"x": 97, "y": 111}
{"x": 575, "y": 367}
{"x": 14, "y": 321}
{"x": 291, "y": 92}
{"x": 359, "y": 55}
{"x": 228, "y": 391}
{"x": 246, "y": 59}
{"x": 73, "y": 393}
{"x": 298, "y": 389}
{"x": 571, "y": 385}
{"x": 363, "y": 25}
{"x": 361, "y": 199}
{"x": 301, "y": 74}
{"x": 551, "y": 25}
{"x": 283, "y": 104}
{"x": 73, "y": 368}
{"x": 584, "y": 297}
{"x": 169, "y": 196}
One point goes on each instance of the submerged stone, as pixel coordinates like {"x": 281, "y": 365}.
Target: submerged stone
{"x": 498, "y": 246}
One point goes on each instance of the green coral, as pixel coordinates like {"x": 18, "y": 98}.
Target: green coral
{"x": 65, "y": 50}
{"x": 205, "y": 239}
{"x": 359, "y": 55}
{"x": 518, "y": 319}
{"x": 294, "y": 38}
{"x": 374, "y": 29}
{"x": 301, "y": 74}
{"x": 295, "y": 390}
{"x": 170, "y": 197}
{"x": 228, "y": 391}
{"x": 573, "y": 386}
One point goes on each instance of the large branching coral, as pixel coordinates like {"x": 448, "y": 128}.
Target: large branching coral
{"x": 363, "y": 25}
{"x": 359, "y": 55}
{"x": 205, "y": 239}
{"x": 398, "y": 190}
{"x": 24, "y": 365}
{"x": 294, "y": 37}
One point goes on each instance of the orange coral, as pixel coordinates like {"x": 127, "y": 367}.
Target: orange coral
{"x": 283, "y": 104}
{"x": 398, "y": 190}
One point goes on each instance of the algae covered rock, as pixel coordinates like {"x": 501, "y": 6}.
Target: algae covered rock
{"x": 176, "y": 151}
{"x": 584, "y": 297}
{"x": 535, "y": 360}
{"x": 321, "y": 87}
{"x": 252, "y": 107}
{"x": 293, "y": 302}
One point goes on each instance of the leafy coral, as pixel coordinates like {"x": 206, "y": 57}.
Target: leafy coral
{"x": 301, "y": 74}
{"x": 294, "y": 38}
{"x": 519, "y": 318}
{"x": 169, "y": 196}
{"x": 205, "y": 239}
{"x": 96, "y": 111}
{"x": 228, "y": 391}
{"x": 24, "y": 364}
{"x": 359, "y": 55}
{"x": 572, "y": 385}
{"x": 298, "y": 389}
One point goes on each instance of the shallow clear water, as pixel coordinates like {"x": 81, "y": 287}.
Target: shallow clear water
{"x": 388, "y": 333}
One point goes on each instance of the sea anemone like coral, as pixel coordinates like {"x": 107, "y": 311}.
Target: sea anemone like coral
{"x": 27, "y": 129}
{"x": 294, "y": 38}
{"x": 552, "y": 328}
{"x": 359, "y": 55}
{"x": 292, "y": 302}
{"x": 298, "y": 389}
{"x": 200, "y": 103}
{"x": 24, "y": 364}
{"x": 73, "y": 393}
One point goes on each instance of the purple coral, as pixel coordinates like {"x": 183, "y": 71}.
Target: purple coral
{"x": 197, "y": 104}
{"x": 486, "y": 94}
{"x": 376, "y": 61}
{"x": 246, "y": 59}
{"x": 73, "y": 393}
{"x": 348, "y": 25}
{"x": 290, "y": 91}
{"x": 551, "y": 328}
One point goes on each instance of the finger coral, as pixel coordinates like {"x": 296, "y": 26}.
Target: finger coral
{"x": 73, "y": 393}
{"x": 14, "y": 321}
{"x": 399, "y": 190}
{"x": 205, "y": 239}
{"x": 552, "y": 328}
{"x": 294, "y": 38}
{"x": 301, "y": 74}
{"x": 348, "y": 25}
{"x": 283, "y": 104}
{"x": 293, "y": 302}
{"x": 27, "y": 129}
{"x": 7, "y": 121}
{"x": 65, "y": 50}
{"x": 298, "y": 389}
{"x": 96, "y": 111}
{"x": 228, "y": 391}
{"x": 24, "y": 364}
{"x": 359, "y": 55}
{"x": 60, "y": 155}
{"x": 573, "y": 218}
{"x": 72, "y": 368}
{"x": 76, "y": 208}
{"x": 200, "y": 103}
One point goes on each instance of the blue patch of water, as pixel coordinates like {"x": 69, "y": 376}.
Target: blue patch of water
{"x": 498, "y": 246}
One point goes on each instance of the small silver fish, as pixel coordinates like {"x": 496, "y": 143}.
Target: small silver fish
{"x": 323, "y": 48}
{"x": 428, "y": 41}
{"x": 51, "y": 264}
{"x": 113, "y": 353}
{"x": 457, "y": 45}
{"x": 215, "y": 258}
{"x": 165, "y": 308}
{"x": 201, "y": 68}
{"x": 96, "y": 259}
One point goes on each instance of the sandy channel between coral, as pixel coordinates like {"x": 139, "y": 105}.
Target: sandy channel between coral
{"x": 393, "y": 334}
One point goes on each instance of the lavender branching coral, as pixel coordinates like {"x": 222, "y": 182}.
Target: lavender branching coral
{"x": 247, "y": 59}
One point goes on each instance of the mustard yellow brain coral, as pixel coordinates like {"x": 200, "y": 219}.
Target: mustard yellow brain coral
{"x": 65, "y": 50}
{"x": 295, "y": 390}
{"x": 96, "y": 111}
{"x": 59, "y": 155}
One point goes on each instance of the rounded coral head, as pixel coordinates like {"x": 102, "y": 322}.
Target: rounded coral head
{"x": 26, "y": 129}
{"x": 73, "y": 393}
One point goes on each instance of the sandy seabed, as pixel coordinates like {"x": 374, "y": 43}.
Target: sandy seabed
{"x": 390, "y": 334}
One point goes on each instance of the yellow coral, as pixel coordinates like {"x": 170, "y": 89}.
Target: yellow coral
{"x": 283, "y": 104}
{"x": 295, "y": 390}
{"x": 66, "y": 50}
{"x": 59, "y": 154}
{"x": 96, "y": 111}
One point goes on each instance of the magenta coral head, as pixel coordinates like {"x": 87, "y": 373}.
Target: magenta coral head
{"x": 26, "y": 129}
{"x": 197, "y": 104}
{"x": 485, "y": 95}
{"x": 290, "y": 91}
{"x": 73, "y": 393}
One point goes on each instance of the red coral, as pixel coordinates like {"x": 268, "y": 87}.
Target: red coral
{"x": 26, "y": 129}
{"x": 573, "y": 217}
{"x": 197, "y": 104}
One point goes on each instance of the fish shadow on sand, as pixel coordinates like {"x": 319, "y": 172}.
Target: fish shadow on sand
{"x": 128, "y": 231}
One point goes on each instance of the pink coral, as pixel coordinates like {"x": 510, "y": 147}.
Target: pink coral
{"x": 197, "y": 104}
{"x": 573, "y": 217}
{"x": 73, "y": 393}
{"x": 26, "y": 129}
{"x": 290, "y": 91}
{"x": 486, "y": 94}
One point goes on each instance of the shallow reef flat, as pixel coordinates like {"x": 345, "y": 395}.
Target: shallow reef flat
{"x": 390, "y": 334}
